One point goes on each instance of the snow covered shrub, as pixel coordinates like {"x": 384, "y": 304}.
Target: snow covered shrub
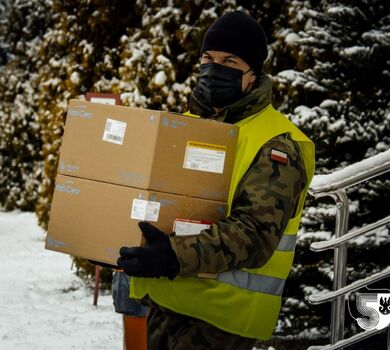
{"x": 159, "y": 60}
{"x": 20, "y": 146}
{"x": 330, "y": 70}
{"x": 78, "y": 50}
{"x": 335, "y": 89}
{"x": 21, "y": 26}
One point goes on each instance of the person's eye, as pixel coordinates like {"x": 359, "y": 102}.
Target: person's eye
{"x": 206, "y": 58}
{"x": 231, "y": 60}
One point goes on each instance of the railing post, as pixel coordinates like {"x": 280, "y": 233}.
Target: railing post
{"x": 388, "y": 337}
{"x": 334, "y": 185}
{"x": 340, "y": 267}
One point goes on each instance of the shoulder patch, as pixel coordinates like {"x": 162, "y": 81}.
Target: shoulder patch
{"x": 279, "y": 156}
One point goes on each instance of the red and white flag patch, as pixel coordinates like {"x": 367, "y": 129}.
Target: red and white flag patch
{"x": 279, "y": 156}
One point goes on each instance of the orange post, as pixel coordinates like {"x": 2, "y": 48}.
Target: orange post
{"x": 97, "y": 281}
{"x": 134, "y": 333}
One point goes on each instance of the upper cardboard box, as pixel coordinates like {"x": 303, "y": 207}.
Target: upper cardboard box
{"x": 148, "y": 149}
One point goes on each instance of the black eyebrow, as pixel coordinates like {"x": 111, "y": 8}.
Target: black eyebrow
{"x": 225, "y": 57}
{"x": 231, "y": 56}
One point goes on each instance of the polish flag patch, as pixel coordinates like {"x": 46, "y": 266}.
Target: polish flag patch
{"x": 279, "y": 156}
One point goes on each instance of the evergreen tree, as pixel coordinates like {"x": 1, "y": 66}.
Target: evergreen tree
{"x": 77, "y": 54}
{"x": 78, "y": 50}
{"x": 338, "y": 84}
{"x": 330, "y": 71}
{"x": 3, "y": 50}
{"x": 21, "y": 27}
{"x": 159, "y": 60}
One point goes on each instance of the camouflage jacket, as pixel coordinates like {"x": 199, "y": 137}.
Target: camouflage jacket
{"x": 265, "y": 199}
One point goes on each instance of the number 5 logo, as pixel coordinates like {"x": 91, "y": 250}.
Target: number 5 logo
{"x": 375, "y": 309}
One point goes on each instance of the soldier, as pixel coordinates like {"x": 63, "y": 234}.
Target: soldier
{"x": 252, "y": 249}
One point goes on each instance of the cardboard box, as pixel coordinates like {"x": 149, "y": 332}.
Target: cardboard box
{"x": 92, "y": 219}
{"x": 148, "y": 149}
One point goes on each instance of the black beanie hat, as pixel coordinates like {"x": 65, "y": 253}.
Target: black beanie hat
{"x": 239, "y": 34}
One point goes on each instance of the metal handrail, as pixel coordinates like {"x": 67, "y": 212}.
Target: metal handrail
{"x": 347, "y": 342}
{"x": 332, "y": 243}
{"x": 324, "y": 297}
{"x": 351, "y": 175}
{"x": 335, "y": 185}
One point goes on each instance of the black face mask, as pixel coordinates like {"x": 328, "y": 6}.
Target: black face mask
{"x": 219, "y": 85}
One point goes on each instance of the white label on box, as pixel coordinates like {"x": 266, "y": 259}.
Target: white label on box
{"x": 205, "y": 157}
{"x": 103, "y": 100}
{"x": 145, "y": 210}
{"x": 114, "y": 131}
{"x": 183, "y": 227}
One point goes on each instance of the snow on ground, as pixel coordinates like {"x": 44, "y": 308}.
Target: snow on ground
{"x": 43, "y": 305}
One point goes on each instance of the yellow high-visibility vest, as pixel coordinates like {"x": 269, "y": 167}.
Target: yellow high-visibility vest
{"x": 246, "y": 301}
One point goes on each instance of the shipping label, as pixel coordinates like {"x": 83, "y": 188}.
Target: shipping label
{"x": 205, "y": 157}
{"x": 185, "y": 227}
{"x": 145, "y": 210}
{"x": 114, "y": 131}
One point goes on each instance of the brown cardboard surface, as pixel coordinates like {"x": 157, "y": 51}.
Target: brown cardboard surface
{"x": 92, "y": 219}
{"x": 152, "y": 152}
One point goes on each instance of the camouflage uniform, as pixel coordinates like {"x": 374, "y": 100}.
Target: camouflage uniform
{"x": 168, "y": 330}
{"x": 265, "y": 200}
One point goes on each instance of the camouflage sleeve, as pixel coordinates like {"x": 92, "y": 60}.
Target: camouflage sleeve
{"x": 265, "y": 200}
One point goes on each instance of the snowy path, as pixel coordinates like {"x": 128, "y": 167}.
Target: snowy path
{"x": 43, "y": 305}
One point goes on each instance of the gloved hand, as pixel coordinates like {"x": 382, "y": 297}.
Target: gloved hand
{"x": 156, "y": 259}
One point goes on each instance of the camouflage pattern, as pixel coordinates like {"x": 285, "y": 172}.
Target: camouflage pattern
{"x": 171, "y": 331}
{"x": 264, "y": 201}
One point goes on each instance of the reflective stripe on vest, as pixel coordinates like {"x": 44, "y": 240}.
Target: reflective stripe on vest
{"x": 247, "y": 301}
{"x": 253, "y": 282}
{"x": 257, "y": 282}
{"x": 287, "y": 243}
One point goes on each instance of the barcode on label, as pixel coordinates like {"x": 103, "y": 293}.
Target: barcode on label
{"x": 114, "y": 131}
{"x": 194, "y": 166}
{"x": 145, "y": 210}
{"x": 114, "y": 138}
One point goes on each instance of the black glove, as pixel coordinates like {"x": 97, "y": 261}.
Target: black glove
{"x": 156, "y": 259}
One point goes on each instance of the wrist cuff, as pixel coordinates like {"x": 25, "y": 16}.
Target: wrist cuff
{"x": 185, "y": 248}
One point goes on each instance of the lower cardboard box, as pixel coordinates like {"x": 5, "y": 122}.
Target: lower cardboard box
{"x": 93, "y": 220}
